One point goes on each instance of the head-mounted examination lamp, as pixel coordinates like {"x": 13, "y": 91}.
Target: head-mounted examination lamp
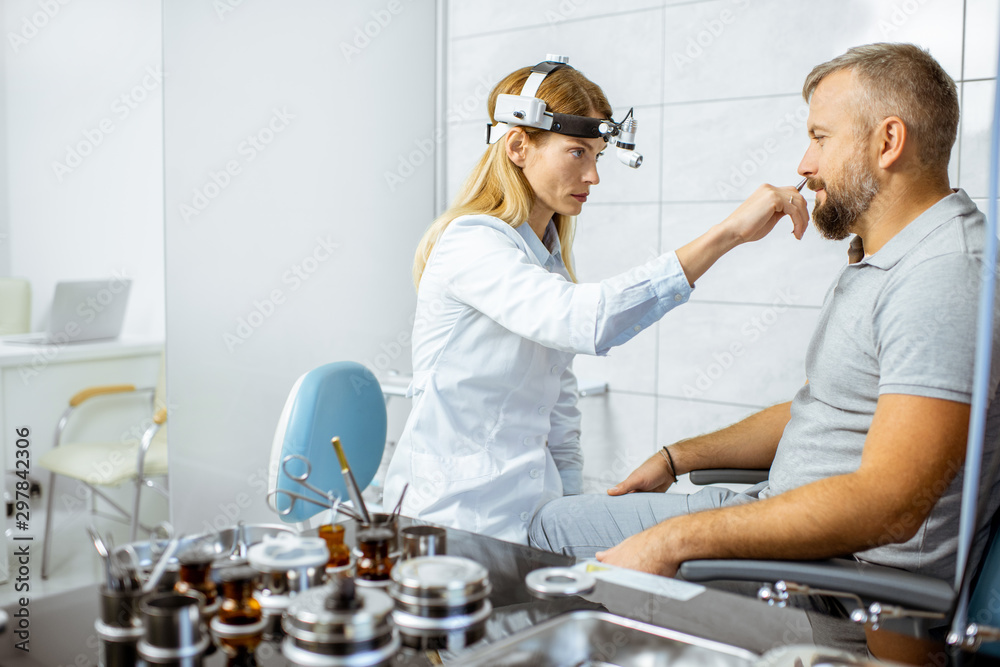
{"x": 529, "y": 111}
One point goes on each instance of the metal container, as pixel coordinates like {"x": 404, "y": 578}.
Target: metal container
{"x": 424, "y": 541}
{"x": 340, "y": 626}
{"x": 599, "y": 638}
{"x": 119, "y": 627}
{"x": 289, "y": 564}
{"x": 442, "y": 602}
{"x": 175, "y": 633}
{"x": 228, "y": 543}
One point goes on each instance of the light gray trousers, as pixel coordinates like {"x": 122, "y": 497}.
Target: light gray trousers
{"x": 580, "y": 526}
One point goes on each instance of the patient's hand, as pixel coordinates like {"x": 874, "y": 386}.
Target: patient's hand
{"x": 653, "y": 475}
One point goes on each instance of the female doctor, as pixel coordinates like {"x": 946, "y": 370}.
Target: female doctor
{"x": 494, "y": 431}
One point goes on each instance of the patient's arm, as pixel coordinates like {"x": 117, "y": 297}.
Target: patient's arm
{"x": 746, "y": 444}
{"x": 915, "y": 444}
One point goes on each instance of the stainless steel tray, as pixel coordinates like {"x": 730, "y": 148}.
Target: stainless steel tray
{"x": 221, "y": 543}
{"x": 600, "y": 639}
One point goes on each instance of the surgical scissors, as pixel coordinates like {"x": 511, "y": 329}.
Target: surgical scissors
{"x": 332, "y": 500}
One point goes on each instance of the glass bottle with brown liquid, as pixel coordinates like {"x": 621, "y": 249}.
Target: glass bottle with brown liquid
{"x": 340, "y": 553}
{"x": 195, "y": 574}
{"x": 239, "y": 623}
{"x": 374, "y": 563}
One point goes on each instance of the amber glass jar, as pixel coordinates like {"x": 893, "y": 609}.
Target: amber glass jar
{"x": 374, "y": 563}
{"x": 239, "y": 624}
{"x": 196, "y": 574}
{"x": 340, "y": 553}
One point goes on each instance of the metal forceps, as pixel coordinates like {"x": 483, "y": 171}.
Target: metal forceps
{"x": 333, "y": 501}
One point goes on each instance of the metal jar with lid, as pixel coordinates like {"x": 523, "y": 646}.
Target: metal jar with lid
{"x": 338, "y": 625}
{"x": 289, "y": 564}
{"x": 442, "y": 602}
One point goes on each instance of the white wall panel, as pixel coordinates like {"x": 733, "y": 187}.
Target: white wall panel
{"x": 295, "y": 194}
{"x": 83, "y": 150}
{"x": 618, "y": 430}
{"x": 977, "y": 119}
{"x": 757, "y": 272}
{"x": 746, "y": 354}
{"x": 738, "y": 48}
{"x": 981, "y": 20}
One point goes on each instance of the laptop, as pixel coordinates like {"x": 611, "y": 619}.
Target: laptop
{"x": 82, "y": 310}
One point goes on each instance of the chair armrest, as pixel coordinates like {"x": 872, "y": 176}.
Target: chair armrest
{"x": 728, "y": 476}
{"x": 84, "y": 394}
{"x": 869, "y": 582}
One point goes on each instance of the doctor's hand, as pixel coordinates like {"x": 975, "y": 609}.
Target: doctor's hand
{"x": 653, "y": 475}
{"x": 757, "y": 216}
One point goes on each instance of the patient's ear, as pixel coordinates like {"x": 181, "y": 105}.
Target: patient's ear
{"x": 891, "y": 138}
{"x": 516, "y": 142}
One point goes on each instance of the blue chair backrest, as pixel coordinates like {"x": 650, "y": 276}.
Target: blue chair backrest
{"x": 341, "y": 399}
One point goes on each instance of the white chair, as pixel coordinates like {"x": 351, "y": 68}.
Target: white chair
{"x": 15, "y": 306}
{"x": 109, "y": 463}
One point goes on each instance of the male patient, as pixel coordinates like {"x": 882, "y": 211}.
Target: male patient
{"x": 867, "y": 459}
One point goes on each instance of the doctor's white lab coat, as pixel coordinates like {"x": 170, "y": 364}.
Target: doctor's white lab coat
{"x": 494, "y": 432}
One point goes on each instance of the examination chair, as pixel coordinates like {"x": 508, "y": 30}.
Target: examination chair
{"x": 341, "y": 399}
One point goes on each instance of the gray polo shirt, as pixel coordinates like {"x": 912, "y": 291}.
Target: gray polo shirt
{"x": 901, "y": 321}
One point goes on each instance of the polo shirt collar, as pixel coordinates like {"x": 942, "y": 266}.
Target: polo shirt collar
{"x": 948, "y": 208}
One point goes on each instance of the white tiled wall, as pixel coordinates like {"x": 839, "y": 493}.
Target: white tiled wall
{"x": 716, "y": 86}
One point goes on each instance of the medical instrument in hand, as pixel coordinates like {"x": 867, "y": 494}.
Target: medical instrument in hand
{"x": 529, "y": 111}
{"x": 352, "y": 486}
{"x": 801, "y": 184}
{"x": 332, "y": 501}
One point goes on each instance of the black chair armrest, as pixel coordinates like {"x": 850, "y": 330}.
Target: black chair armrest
{"x": 869, "y": 582}
{"x": 727, "y": 476}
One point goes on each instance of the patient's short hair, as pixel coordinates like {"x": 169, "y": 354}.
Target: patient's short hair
{"x": 900, "y": 80}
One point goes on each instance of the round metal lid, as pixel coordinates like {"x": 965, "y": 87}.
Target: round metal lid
{"x": 448, "y": 580}
{"x": 309, "y": 619}
{"x": 556, "y": 582}
{"x": 288, "y": 552}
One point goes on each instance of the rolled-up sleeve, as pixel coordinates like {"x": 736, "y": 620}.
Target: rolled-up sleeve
{"x": 491, "y": 273}
{"x": 564, "y": 436}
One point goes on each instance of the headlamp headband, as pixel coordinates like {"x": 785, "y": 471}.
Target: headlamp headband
{"x": 528, "y": 110}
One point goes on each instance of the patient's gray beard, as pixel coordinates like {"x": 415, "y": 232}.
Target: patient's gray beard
{"x": 844, "y": 205}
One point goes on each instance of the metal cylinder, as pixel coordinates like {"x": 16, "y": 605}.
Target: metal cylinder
{"x": 175, "y": 634}
{"x": 442, "y": 602}
{"x": 424, "y": 541}
{"x": 119, "y": 627}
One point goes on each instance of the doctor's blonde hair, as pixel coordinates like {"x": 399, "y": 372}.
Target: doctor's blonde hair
{"x": 497, "y": 187}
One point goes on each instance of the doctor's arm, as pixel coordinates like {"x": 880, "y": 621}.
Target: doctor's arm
{"x": 564, "y": 436}
{"x": 913, "y": 450}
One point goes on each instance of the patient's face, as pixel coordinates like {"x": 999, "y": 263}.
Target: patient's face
{"x": 849, "y": 194}
{"x": 838, "y": 160}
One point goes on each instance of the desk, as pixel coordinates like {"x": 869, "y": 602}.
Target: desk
{"x": 37, "y": 381}
{"x": 62, "y": 626}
